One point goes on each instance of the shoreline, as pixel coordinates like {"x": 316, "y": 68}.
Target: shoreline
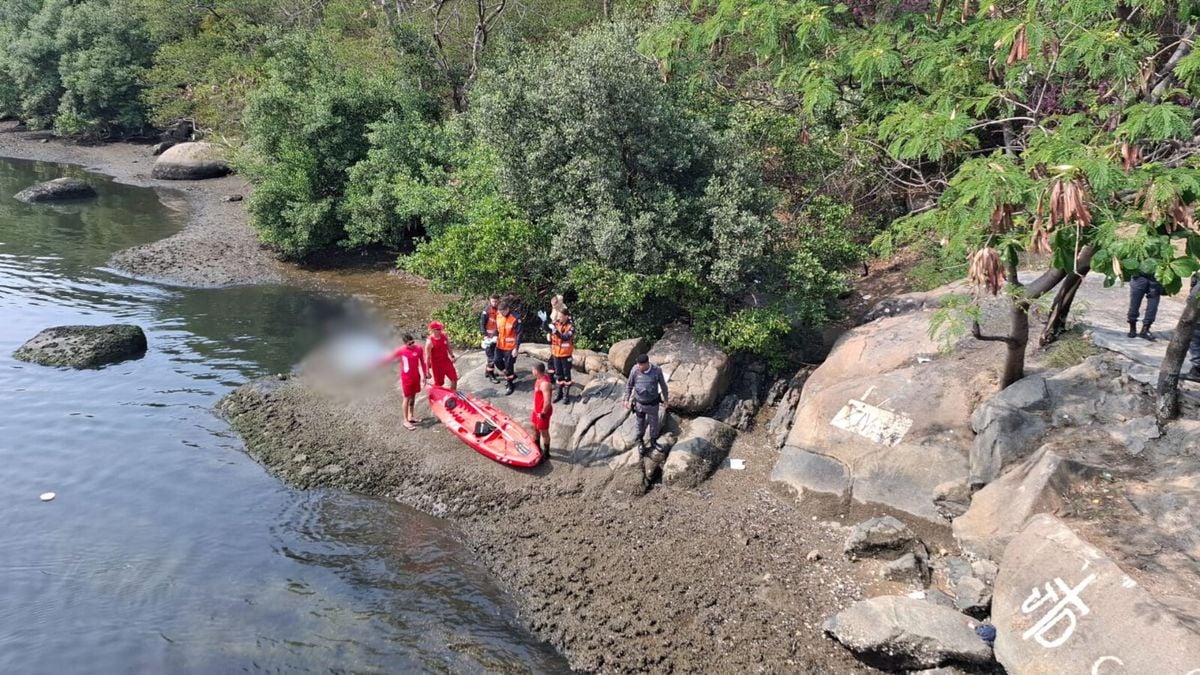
{"x": 714, "y": 577}
{"x": 215, "y": 247}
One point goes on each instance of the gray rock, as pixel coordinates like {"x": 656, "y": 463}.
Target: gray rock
{"x": 1061, "y": 605}
{"x": 1006, "y": 427}
{"x": 883, "y": 537}
{"x": 805, "y": 471}
{"x": 939, "y": 598}
{"x": 985, "y": 571}
{"x": 973, "y": 597}
{"x": 191, "y": 161}
{"x": 907, "y": 567}
{"x": 535, "y": 350}
{"x": 952, "y": 570}
{"x": 1000, "y": 510}
{"x": 83, "y": 346}
{"x": 621, "y": 355}
{"x": 741, "y": 404}
{"x": 952, "y": 499}
{"x": 893, "y": 632}
{"x": 57, "y": 190}
{"x": 1136, "y": 433}
{"x": 160, "y": 148}
{"x": 702, "y": 447}
{"x": 905, "y": 476}
{"x": 232, "y": 198}
{"x": 628, "y": 475}
{"x": 698, "y": 373}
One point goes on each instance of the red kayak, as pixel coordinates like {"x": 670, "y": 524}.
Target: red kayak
{"x": 480, "y": 425}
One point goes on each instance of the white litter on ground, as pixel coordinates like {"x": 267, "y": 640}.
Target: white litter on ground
{"x": 738, "y": 464}
{"x": 47, "y": 496}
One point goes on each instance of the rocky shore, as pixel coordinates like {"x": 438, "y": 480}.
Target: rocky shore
{"x": 887, "y": 509}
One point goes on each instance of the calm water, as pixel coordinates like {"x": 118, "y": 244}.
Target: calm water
{"x": 168, "y": 549}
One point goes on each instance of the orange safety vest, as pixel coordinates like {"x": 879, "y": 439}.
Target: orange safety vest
{"x": 491, "y": 320}
{"x": 561, "y": 348}
{"x": 506, "y": 327}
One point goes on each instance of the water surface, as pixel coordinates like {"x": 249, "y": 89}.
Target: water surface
{"x": 167, "y": 548}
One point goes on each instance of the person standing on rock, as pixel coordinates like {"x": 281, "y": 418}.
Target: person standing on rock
{"x": 413, "y": 375}
{"x": 542, "y": 409}
{"x": 440, "y": 356}
{"x": 487, "y": 326}
{"x": 562, "y": 348}
{"x": 508, "y": 339}
{"x": 1143, "y": 286}
{"x": 1194, "y": 350}
{"x": 645, "y": 392}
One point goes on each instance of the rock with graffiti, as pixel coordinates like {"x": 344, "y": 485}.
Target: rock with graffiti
{"x": 1063, "y": 606}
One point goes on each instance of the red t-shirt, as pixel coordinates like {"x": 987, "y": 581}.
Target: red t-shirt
{"x": 409, "y": 357}
{"x": 439, "y": 350}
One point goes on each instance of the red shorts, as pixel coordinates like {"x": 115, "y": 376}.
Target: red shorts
{"x": 540, "y": 423}
{"x": 444, "y": 371}
{"x": 410, "y": 386}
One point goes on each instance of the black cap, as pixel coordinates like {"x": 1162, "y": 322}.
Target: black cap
{"x": 643, "y": 358}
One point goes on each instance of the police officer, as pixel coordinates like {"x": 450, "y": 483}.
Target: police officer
{"x": 487, "y": 327}
{"x": 1141, "y": 286}
{"x": 645, "y": 392}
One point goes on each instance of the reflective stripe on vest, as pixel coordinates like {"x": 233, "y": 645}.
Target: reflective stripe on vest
{"x": 491, "y": 320}
{"x": 560, "y": 348}
{"x": 506, "y": 327}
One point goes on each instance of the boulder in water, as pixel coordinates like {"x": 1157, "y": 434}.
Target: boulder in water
{"x": 191, "y": 161}
{"x": 57, "y": 190}
{"x": 83, "y": 346}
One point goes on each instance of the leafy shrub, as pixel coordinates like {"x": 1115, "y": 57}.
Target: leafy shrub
{"x": 461, "y": 321}
{"x": 307, "y": 126}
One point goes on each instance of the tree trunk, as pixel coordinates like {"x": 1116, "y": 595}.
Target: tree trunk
{"x": 1061, "y": 307}
{"x": 1018, "y": 330}
{"x": 1167, "y": 404}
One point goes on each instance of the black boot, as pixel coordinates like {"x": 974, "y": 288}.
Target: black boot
{"x": 1146, "y": 334}
{"x": 559, "y": 396}
{"x": 510, "y": 388}
{"x": 1132, "y": 329}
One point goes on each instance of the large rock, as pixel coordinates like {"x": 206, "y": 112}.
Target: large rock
{"x": 999, "y": 511}
{"x": 191, "y": 161}
{"x": 57, "y": 190}
{"x": 1006, "y": 426}
{"x": 888, "y": 413}
{"x": 697, "y": 373}
{"x": 1062, "y": 606}
{"x": 623, "y": 354}
{"x": 785, "y": 395}
{"x": 898, "y": 633}
{"x": 83, "y": 346}
{"x": 703, "y": 445}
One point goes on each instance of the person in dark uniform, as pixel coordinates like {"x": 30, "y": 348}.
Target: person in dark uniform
{"x": 1194, "y": 351}
{"x": 1143, "y": 286}
{"x": 487, "y": 327}
{"x": 645, "y": 392}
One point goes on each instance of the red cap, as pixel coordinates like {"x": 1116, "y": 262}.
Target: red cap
{"x": 435, "y": 325}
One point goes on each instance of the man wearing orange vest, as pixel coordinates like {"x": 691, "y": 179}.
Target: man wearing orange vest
{"x": 487, "y": 326}
{"x": 562, "y": 348}
{"x": 508, "y": 339}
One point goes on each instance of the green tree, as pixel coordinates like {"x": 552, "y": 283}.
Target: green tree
{"x": 306, "y": 126}
{"x": 1062, "y": 127}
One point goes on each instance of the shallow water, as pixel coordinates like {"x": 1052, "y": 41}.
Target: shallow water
{"x": 167, "y": 549}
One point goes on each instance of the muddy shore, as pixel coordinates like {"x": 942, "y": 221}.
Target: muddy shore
{"x": 216, "y": 247}
{"x": 716, "y": 579}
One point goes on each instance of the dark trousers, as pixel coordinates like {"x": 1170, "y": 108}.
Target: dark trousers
{"x": 560, "y": 367}
{"x": 1139, "y": 288}
{"x": 490, "y": 352}
{"x": 506, "y": 362}
{"x": 646, "y": 420}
